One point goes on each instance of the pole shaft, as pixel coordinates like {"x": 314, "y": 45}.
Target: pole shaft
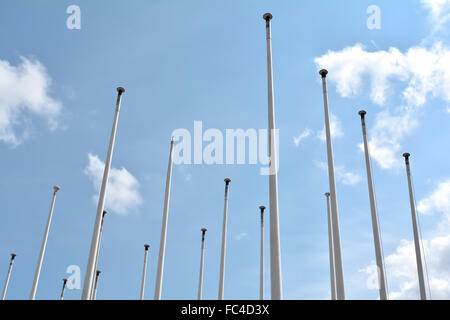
{"x": 200, "y": 278}
{"x": 5, "y": 288}
{"x": 90, "y": 269}
{"x": 423, "y": 295}
{"x": 224, "y": 245}
{"x": 98, "y": 251}
{"x": 375, "y": 225}
{"x": 340, "y": 290}
{"x": 261, "y": 260}
{"x": 144, "y": 273}
{"x": 42, "y": 252}
{"x": 275, "y": 255}
{"x": 162, "y": 247}
{"x": 63, "y": 290}
{"x": 331, "y": 251}
{"x": 94, "y": 292}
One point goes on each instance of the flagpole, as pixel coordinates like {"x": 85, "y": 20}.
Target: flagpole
{"x": 98, "y": 249}
{"x": 423, "y": 295}
{"x": 331, "y": 249}
{"x": 44, "y": 244}
{"x": 224, "y": 241}
{"x": 202, "y": 257}
{"x": 162, "y": 247}
{"x": 11, "y": 262}
{"x": 94, "y": 291}
{"x": 63, "y": 290}
{"x": 144, "y": 271}
{"x": 340, "y": 289}
{"x": 261, "y": 259}
{"x": 91, "y": 267}
{"x": 275, "y": 255}
{"x": 373, "y": 210}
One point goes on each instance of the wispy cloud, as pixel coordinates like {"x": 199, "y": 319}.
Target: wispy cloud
{"x": 122, "y": 193}
{"x": 306, "y": 133}
{"x": 341, "y": 174}
{"x": 24, "y": 91}
{"x": 335, "y": 128}
{"x": 439, "y": 12}
{"x": 241, "y": 236}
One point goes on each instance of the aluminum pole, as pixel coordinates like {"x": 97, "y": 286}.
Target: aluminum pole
{"x": 91, "y": 267}
{"x": 373, "y": 210}
{"x": 98, "y": 250}
{"x": 202, "y": 258}
{"x": 97, "y": 274}
{"x": 224, "y": 241}
{"x": 275, "y": 255}
{"x": 63, "y": 290}
{"x": 340, "y": 290}
{"x": 144, "y": 271}
{"x": 261, "y": 259}
{"x": 423, "y": 295}
{"x": 11, "y": 262}
{"x": 44, "y": 244}
{"x": 331, "y": 250}
{"x": 162, "y": 247}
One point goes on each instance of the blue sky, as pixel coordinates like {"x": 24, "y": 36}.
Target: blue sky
{"x": 183, "y": 61}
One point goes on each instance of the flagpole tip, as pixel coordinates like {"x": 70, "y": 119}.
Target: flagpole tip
{"x": 227, "y": 181}
{"x": 327, "y": 194}
{"x": 13, "y": 255}
{"x": 323, "y": 73}
{"x": 64, "y": 280}
{"x": 105, "y": 212}
{"x": 98, "y": 272}
{"x": 56, "y": 188}
{"x": 362, "y": 113}
{"x": 120, "y": 90}
{"x": 204, "y": 230}
{"x": 406, "y": 155}
{"x": 146, "y": 246}
{"x": 262, "y": 208}
{"x": 267, "y": 16}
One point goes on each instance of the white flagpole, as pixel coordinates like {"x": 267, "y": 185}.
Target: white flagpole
{"x": 144, "y": 271}
{"x": 11, "y": 262}
{"x": 94, "y": 295}
{"x": 224, "y": 241}
{"x": 373, "y": 210}
{"x": 331, "y": 250}
{"x": 44, "y": 243}
{"x": 261, "y": 259}
{"x": 63, "y": 289}
{"x": 98, "y": 250}
{"x": 162, "y": 247}
{"x": 90, "y": 269}
{"x": 202, "y": 258}
{"x": 423, "y": 295}
{"x": 340, "y": 289}
{"x": 275, "y": 255}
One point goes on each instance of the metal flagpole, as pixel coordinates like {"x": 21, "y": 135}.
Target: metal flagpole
{"x": 94, "y": 295}
{"x": 98, "y": 250}
{"x": 224, "y": 240}
{"x": 261, "y": 259}
{"x": 144, "y": 271}
{"x": 44, "y": 243}
{"x": 91, "y": 267}
{"x": 275, "y": 255}
{"x": 340, "y": 290}
{"x": 423, "y": 295}
{"x": 373, "y": 210}
{"x": 331, "y": 250}
{"x": 202, "y": 258}
{"x": 162, "y": 247}
{"x": 63, "y": 289}
{"x": 11, "y": 262}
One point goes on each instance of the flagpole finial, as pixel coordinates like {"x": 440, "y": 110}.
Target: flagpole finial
{"x": 13, "y": 255}
{"x": 362, "y": 113}
{"x": 146, "y": 246}
{"x": 56, "y": 188}
{"x": 120, "y": 90}
{"x": 267, "y": 16}
{"x": 204, "y": 230}
{"x": 227, "y": 181}
{"x": 262, "y": 208}
{"x": 323, "y": 73}
{"x": 406, "y": 155}
{"x": 327, "y": 194}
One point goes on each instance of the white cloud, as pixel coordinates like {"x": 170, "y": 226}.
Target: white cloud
{"x": 122, "y": 193}
{"x": 439, "y": 11}
{"x": 335, "y": 128}
{"x": 24, "y": 90}
{"x": 341, "y": 174}
{"x": 306, "y": 133}
{"x": 438, "y": 201}
{"x": 241, "y": 236}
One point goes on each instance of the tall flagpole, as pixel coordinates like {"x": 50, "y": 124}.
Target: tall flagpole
{"x": 261, "y": 259}
{"x": 44, "y": 244}
{"x": 331, "y": 250}
{"x": 94, "y": 291}
{"x": 63, "y": 290}
{"x": 98, "y": 251}
{"x": 224, "y": 241}
{"x": 5, "y": 288}
{"x": 202, "y": 259}
{"x": 373, "y": 210}
{"x": 162, "y": 247}
{"x": 144, "y": 271}
{"x": 275, "y": 255}
{"x": 91, "y": 267}
{"x": 340, "y": 290}
{"x": 423, "y": 295}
